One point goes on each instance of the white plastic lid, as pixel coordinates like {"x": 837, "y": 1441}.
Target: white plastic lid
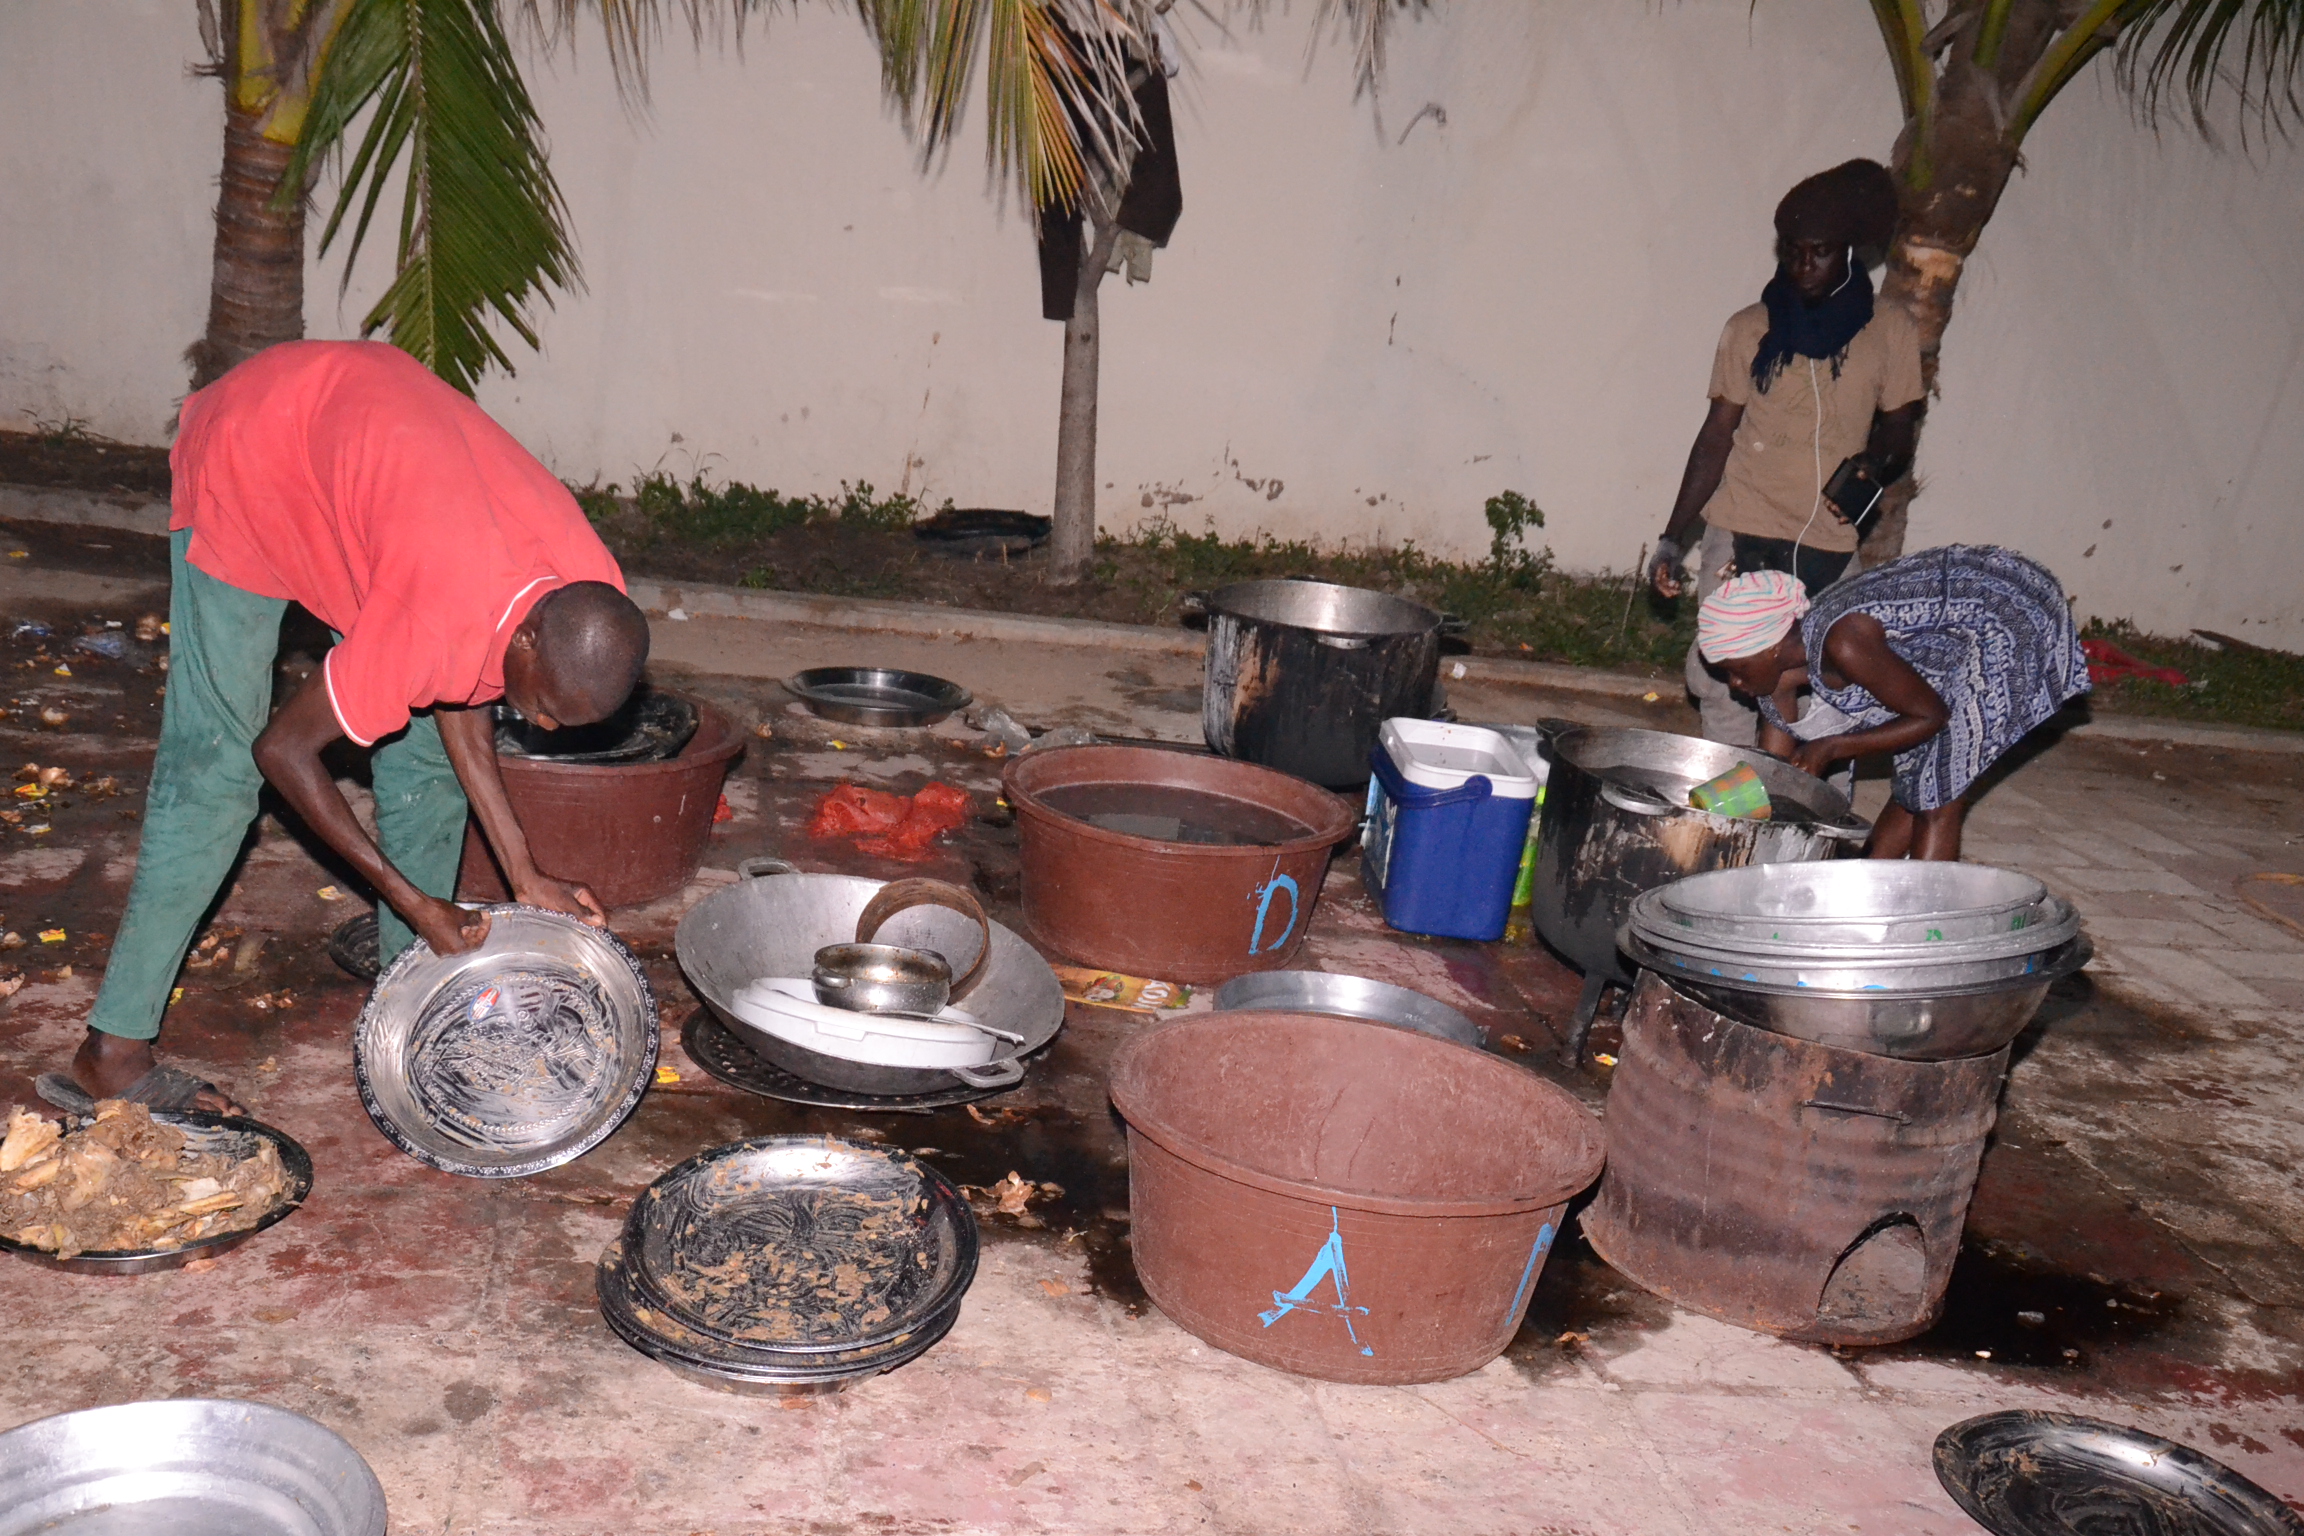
{"x": 1436, "y": 754}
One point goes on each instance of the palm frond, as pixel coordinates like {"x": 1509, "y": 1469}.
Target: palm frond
{"x": 633, "y": 28}
{"x": 1368, "y": 25}
{"x": 483, "y": 230}
{"x": 2188, "y": 48}
{"x": 1060, "y": 115}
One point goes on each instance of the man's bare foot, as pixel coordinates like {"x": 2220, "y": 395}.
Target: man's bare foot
{"x": 107, "y": 1066}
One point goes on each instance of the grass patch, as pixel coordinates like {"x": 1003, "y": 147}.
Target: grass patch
{"x": 2226, "y": 685}
{"x": 1515, "y": 603}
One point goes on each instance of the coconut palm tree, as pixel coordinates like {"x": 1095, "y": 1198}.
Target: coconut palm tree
{"x": 483, "y": 232}
{"x": 1062, "y": 131}
{"x": 1975, "y": 75}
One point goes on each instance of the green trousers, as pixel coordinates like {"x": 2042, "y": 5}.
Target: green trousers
{"x": 223, "y": 643}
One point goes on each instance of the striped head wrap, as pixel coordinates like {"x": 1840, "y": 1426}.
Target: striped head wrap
{"x": 1747, "y": 614}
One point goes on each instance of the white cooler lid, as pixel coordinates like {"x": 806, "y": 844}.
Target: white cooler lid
{"x": 1438, "y": 754}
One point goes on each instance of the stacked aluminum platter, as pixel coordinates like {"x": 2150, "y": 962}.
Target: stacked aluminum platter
{"x": 789, "y": 1263}
{"x": 1916, "y": 959}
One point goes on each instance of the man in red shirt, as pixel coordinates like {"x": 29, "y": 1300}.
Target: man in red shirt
{"x": 455, "y": 570}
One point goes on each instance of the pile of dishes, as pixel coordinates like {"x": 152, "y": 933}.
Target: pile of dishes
{"x": 1902, "y": 958}
{"x": 789, "y": 1263}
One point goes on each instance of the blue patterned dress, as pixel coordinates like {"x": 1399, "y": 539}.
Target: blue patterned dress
{"x": 1990, "y": 631}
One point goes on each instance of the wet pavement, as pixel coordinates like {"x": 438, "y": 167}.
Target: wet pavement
{"x": 2135, "y": 1250}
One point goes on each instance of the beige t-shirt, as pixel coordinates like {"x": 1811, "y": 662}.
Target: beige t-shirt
{"x": 1773, "y": 481}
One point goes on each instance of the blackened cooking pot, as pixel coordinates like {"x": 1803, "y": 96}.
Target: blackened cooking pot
{"x": 1300, "y": 674}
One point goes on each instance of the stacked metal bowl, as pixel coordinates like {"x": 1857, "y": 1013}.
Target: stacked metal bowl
{"x": 1923, "y": 960}
{"x": 789, "y": 1263}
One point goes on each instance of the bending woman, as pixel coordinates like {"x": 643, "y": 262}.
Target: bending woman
{"x": 1946, "y": 659}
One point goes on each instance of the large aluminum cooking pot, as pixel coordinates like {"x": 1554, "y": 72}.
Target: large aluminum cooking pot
{"x": 1617, "y": 822}
{"x": 1300, "y": 674}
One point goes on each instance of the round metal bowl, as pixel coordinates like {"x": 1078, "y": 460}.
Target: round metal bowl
{"x": 881, "y": 978}
{"x": 1940, "y": 1025}
{"x": 191, "y": 1467}
{"x": 723, "y": 1263}
{"x": 772, "y": 921}
{"x": 2028, "y": 1473}
{"x": 877, "y": 695}
{"x": 513, "y": 1058}
{"x": 229, "y": 1134}
{"x": 1826, "y": 973}
{"x": 1856, "y": 901}
{"x": 1351, "y": 997}
{"x": 2050, "y": 922}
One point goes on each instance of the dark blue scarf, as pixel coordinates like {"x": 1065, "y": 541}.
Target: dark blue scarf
{"x": 1797, "y": 329}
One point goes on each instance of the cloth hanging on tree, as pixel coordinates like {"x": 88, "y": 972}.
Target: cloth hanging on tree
{"x": 1149, "y": 208}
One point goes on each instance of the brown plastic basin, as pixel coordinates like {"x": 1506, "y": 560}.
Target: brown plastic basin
{"x": 1340, "y": 1198}
{"x": 633, "y": 832}
{"x": 1175, "y": 911}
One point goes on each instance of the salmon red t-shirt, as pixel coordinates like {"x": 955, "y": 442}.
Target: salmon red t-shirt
{"x": 346, "y": 476}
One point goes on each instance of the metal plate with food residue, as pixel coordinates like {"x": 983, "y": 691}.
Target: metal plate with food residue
{"x": 512, "y": 1058}
{"x": 2025, "y": 1473}
{"x": 801, "y": 1245}
{"x": 789, "y": 1263}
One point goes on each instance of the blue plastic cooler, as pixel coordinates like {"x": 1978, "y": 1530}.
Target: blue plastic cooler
{"x": 1442, "y": 861}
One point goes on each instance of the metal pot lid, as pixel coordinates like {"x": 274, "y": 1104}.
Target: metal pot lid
{"x": 2025, "y": 1473}
{"x": 803, "y": 1246}
{"x": 786, "y": 1007}
{"x": 188, "y": 1466}
{"x": 2053, "y": 922}
{"x": 516, "y": 1057}
{"x": 1324, "y": 607}
{"x": 1859, "y": 890}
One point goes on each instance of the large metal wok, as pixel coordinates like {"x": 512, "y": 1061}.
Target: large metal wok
{"x": 772, "y": 921}
{"x": 1617, "y": 822}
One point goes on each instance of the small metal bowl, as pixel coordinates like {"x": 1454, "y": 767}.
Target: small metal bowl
{"x": 231, "y": 1134}
{"x": 881, "y": 978}
{"x": 877, "y": 695}
{"x": 195, "y": 1466}
{"x": 513, "y": 1058}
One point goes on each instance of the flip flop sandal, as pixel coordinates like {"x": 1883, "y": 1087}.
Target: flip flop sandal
{"x": 356, "y": 946}
{"x": 164, "y": 1087}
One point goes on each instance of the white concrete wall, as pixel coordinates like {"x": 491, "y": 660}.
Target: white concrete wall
{"x": 1354, "y": 334}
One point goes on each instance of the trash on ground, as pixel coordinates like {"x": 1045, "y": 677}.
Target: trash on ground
{"x": 892, "y": 826}
{"x": 329, "y": 893}
{"x": 126, "y": 1182}
{"x": 11, "y": 981}
{"x": 266, "y": 1002}
{"x": 107, "y": 643}
{"x": 52, "y": 935}
{"x": 1111, "y": 989}
{"x": 52, "y": 716}
{"x": 150, "y": 628}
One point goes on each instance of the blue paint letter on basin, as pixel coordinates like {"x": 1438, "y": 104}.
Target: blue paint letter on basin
{"x": 1328, "y": 1265}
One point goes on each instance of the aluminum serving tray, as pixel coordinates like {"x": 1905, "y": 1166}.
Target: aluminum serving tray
{"x": 2030, "y": 1473}
{"x": 516, "y": 1057}
{"x": 1350, "y": 997}
{"x": 190, "y": 1467}
{"x": 230, "y": 1134}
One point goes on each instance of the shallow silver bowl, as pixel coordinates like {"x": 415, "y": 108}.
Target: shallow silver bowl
{"x": 1351, "y": 997}
{"x": 516, "y": 1057}
{"x": 1827, "y": 974}
{"x": 189, "y": 1467}
{"x": 2050, "y": 922}
{"x": 774, "y": 918}
{"x": 1856, "y": 901}
{"x": 877, "y": 695}
{"x": 1942, "y": 1025}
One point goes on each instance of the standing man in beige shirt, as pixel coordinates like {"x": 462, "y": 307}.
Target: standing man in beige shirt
{"x": 1814, "y": 377}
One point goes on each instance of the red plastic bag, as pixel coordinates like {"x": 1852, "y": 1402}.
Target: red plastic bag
{"x": 892, "y": 826}
{"x": 2107, "y": 663}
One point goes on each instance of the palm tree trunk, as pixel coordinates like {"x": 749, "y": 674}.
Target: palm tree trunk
{"x": 1964, "y": 162}
{"x": 256, "y": 289}
{"x": 1072, "y": 543}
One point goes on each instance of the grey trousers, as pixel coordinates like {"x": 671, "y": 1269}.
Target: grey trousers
{"x": 1727, "y": 719}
